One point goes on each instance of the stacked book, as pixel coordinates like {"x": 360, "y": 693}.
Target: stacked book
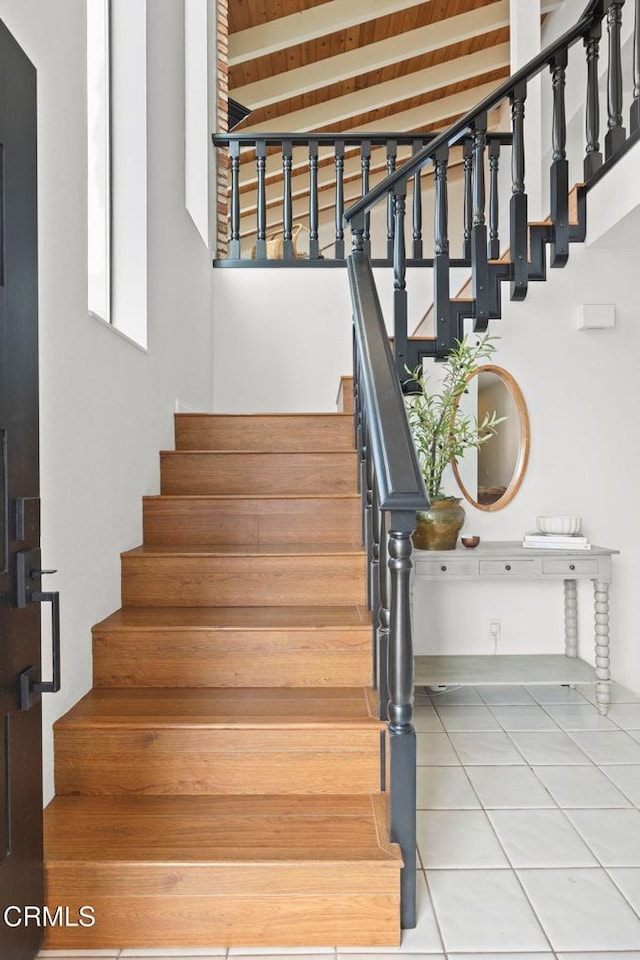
{"x": 556, "y": 541}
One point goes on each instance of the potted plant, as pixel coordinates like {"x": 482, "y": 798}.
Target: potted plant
{"x": 441, "y": 434}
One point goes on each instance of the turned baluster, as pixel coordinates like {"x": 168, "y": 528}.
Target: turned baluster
{"x": 261, "y": 168}
{"x": 635, "y": 106}
{"x": 400, "y": 281}
{"x": 391, "y": 166}
{"x": 234, "y": 155}
{"x": 467, "y": 161}
{"x": 417, "y": 251}
{"x": 445, "y": 334}
{"x": 314, "y": 250}
{"x": 479, "y": 273}
{"x": 365, "y": 166}
{"x": 493, "y": 250}
{"x": 559, "y": 179}
{"x": 518, "y": 206}
{"x": 402, "y": 737}
{"x": 616, "y": 133}
{"x": 593, "y": 158}
{"x": 287, "y": 203}
{"x": 339, "y": 165}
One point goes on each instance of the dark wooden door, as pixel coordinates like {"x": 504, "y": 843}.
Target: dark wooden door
{"x": 21, "y": 882}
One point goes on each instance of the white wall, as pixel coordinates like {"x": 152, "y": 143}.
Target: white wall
{"x": 106, "y": 405}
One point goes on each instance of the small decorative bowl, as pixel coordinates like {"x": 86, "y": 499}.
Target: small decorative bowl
{"x": 470, "y": 542}
{"x": 566, "y": 526}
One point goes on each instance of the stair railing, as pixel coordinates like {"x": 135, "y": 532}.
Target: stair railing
{"x": 275, "y": 187}
{"x": 481, "y": 239}
{"x": 392, "y": 490}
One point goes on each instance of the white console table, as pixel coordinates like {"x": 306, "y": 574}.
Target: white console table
{"x": 506, "y": 560}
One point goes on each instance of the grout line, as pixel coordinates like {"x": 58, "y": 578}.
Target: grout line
{"x": 435, "y": 912}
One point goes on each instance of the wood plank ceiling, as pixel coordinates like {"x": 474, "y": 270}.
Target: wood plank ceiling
{"x": 339, "y": 65}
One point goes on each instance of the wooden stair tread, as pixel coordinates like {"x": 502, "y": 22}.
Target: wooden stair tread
{"x": 223, "y": 707}
{"x": 221, "y": 497}
{"x": 210, "y": 830}
{"x": 236, "y": 618}
{"x": 247, "y": 550}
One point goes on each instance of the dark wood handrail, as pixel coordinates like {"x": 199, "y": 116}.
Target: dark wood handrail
{"x": 399, "y": 478}
{"x": 462, "y": 127}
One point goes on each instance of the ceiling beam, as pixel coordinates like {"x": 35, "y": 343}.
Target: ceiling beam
{"x": 309, "y": 25}
{"x": 375, "y": 56}
{"x": 393, "y": 91}
{"x": 321, "y": 21}
{"x": 433, "y": 113}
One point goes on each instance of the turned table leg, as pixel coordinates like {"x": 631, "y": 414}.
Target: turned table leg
{"x": 571, "y": 618}
{"x": 603, "y": 686}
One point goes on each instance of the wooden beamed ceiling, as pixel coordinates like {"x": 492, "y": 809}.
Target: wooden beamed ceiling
{"x": 342, "y": 65}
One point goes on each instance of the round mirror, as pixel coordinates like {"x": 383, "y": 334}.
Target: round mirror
{"x": 490, "y": 475}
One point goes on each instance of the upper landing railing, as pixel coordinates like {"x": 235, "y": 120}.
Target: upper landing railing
{"x": 294, "y": 188}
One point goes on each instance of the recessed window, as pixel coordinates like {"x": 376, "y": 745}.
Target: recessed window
{"x": 99, "y": 156}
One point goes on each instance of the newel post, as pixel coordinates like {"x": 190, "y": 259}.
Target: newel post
{"x": 402, "y": 736}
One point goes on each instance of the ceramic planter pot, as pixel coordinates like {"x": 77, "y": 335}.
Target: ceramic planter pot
{"x": 439, "y": 526}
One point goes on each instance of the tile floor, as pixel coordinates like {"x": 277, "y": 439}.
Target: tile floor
{"x": 528, "y": 831}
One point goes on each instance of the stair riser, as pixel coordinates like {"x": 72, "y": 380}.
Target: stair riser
{"x": 180, "y": 522}
{"x": 292, "y": 913}
{"x": 233, "y": 581}
{"x": 194, "y": 761}
{"x": 293, "y": 433}
{"x": 232, "y": 658}
{"x": 201, "y": 474}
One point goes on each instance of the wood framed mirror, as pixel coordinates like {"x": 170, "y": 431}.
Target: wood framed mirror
{"x": 490, "y": 476}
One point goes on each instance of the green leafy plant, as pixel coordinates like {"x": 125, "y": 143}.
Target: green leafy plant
{"x": 441, "y": 431}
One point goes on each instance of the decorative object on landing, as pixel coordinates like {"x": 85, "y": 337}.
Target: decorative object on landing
{"x": 441, "y": 433}
{"x": 275, "y": 244}
{"x": 470, "y": 542}
{"x": 559, "y": 525}
{"x": 439, "y": 526}
{"x": 555, "y": 541}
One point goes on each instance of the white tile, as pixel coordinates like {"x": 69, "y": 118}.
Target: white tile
{"x": 501, "y": 956}
{"x": 613, "y": 835}
{"x": 425, "y": 719}
{"x": 547, "y": 747}
{"x": 483, "y": 911}
{"x": 78, "y": 954}
{"x": 581, "y": 909}
{"x": 540, "y": 838}
{"x": 627, "y": 879}
{"x": 434, "y": 749}
{"x": 575, "y": 716}
{"x": 504, "y": 787}
{"x": 555, "y": 694}
{"x": 627, "y": 778}
{"x": 445, "y": 788}
{"x": 531, "y": 717}
{"x": 604, "y": 746}
{"x": 454, "y": 839}
{"x": 456, "y": 695}
{"x": 619, "y": 694}
{"x": 601, "y": 955}
{"x": 581, "y": 787}
{"x": 175, "y": 953}
{"x": 485, "y": 748}
{"x": 505, "y": 694}
{"x": 466, "y": 717}
{"x": 626, "y": 715}
{"x": 274, "y": 952}
{"x": 423, "y": 939}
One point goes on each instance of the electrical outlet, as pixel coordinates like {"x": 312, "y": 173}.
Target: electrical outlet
{"x": 494, "y": 632}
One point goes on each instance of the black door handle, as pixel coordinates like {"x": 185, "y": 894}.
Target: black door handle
{"x": 52, "y": 597}
{"x": 28, "y": 574}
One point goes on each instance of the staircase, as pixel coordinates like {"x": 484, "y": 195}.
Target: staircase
{"x": 224, "y": 781}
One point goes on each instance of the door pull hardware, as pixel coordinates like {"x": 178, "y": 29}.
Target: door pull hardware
{"x": 28, "y": 575}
